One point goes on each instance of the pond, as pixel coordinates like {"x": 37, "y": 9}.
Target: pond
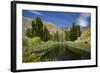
{"x": 62, "y": 52}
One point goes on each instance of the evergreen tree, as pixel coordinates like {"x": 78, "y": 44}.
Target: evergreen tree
{"x": 75, "y": 32}
{"x": 52, "y": 36}
{"x": 38, "y": 30}
{"x": 78, "y": 30}
{"x": 56, "y": 36}
{"x": 67, "y": 35}
{"x": 37, "y": 27}
{"x": 46, "y": 34}
{"x": 29, "y": 33}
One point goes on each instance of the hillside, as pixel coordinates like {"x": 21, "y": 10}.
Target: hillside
{"x": 85, "y": 35}
{"x": 85, "y": 31}
{"x": 26, "y": 23}
{"x": 51, "y": 27}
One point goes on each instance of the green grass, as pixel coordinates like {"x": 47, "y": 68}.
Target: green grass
{"x": 53, "y": 49}
{"x": 80, "y": 45}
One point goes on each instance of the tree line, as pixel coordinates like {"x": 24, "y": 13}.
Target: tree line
{"x": 40, "y": 30}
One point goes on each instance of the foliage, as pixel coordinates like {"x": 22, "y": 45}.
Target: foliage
{"x": 56, "y": 36}
{"x": 29, "y": 33}
{"x": 25, "y": 41}
{"x": 39, "y": 45}
{"x": 27, "y": 45}
{"x": 78, "y": 30}
{"x": 35, "y": 40}
{"x": 80, "y": 44}
{"x": 38, "y": 30}
{"x": 26, "y": 54}
{"x": 51, "y": 51}
{"x": 85, "y": 36}
{"x": 67, "y": 35}
{"x": 37, "y": 27}
{"x": 46, "y": 34}
{"x": 75, "y": 32}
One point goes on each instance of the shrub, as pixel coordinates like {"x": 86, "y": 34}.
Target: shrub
{"x": 86, "y": 42}
{"x": 25, "y": 41}
{"x": 35, "y": 40}
{"x": 29, "y": 33}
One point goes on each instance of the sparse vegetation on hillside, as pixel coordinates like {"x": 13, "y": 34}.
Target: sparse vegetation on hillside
{"x": 85, "y": 36}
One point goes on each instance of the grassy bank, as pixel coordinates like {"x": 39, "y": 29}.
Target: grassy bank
{"x": 49, "y": 51}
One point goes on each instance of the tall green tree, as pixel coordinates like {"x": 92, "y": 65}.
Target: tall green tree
{"x": 56, "y": 36}
{"x": 37, "y": 27}
{"x": 74, "y": 32}
{"x": 46, "y": 34}
{"x": 78, "y": 30}
{"x": 67, "y": 35}
{"x": 29, "y": 33}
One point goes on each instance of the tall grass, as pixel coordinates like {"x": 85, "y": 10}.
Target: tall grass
{"x": 51, "y": 51}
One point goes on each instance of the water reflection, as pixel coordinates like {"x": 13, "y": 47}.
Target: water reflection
{"x": 63, "y": 52}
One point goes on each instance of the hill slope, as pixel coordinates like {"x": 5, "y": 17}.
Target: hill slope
{"x": 85, "y": 36}
{"x": 27, "y": 22}
{"x": 85, "y": 33}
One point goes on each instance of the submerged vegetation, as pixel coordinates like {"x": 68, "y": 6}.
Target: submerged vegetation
{"x": 40, "y": 44}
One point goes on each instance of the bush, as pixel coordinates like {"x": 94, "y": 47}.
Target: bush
{"x": 35, "y": 40}
{"x": 25, "y": 41}
{"x": 86, "y": 42}
{"x": 28, "y": 43}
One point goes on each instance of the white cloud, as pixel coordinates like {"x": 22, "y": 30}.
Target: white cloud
{"x": 35, "y": 12}
{"x": 82, "y": 20}
{"x": 85, "y": 15}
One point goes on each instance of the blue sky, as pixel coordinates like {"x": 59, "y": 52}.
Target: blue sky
{"x": 62, "y": 19}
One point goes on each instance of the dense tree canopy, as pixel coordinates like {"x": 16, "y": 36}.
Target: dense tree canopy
{"x": 74, "y": 32}
{"x": 38, "y": 30}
